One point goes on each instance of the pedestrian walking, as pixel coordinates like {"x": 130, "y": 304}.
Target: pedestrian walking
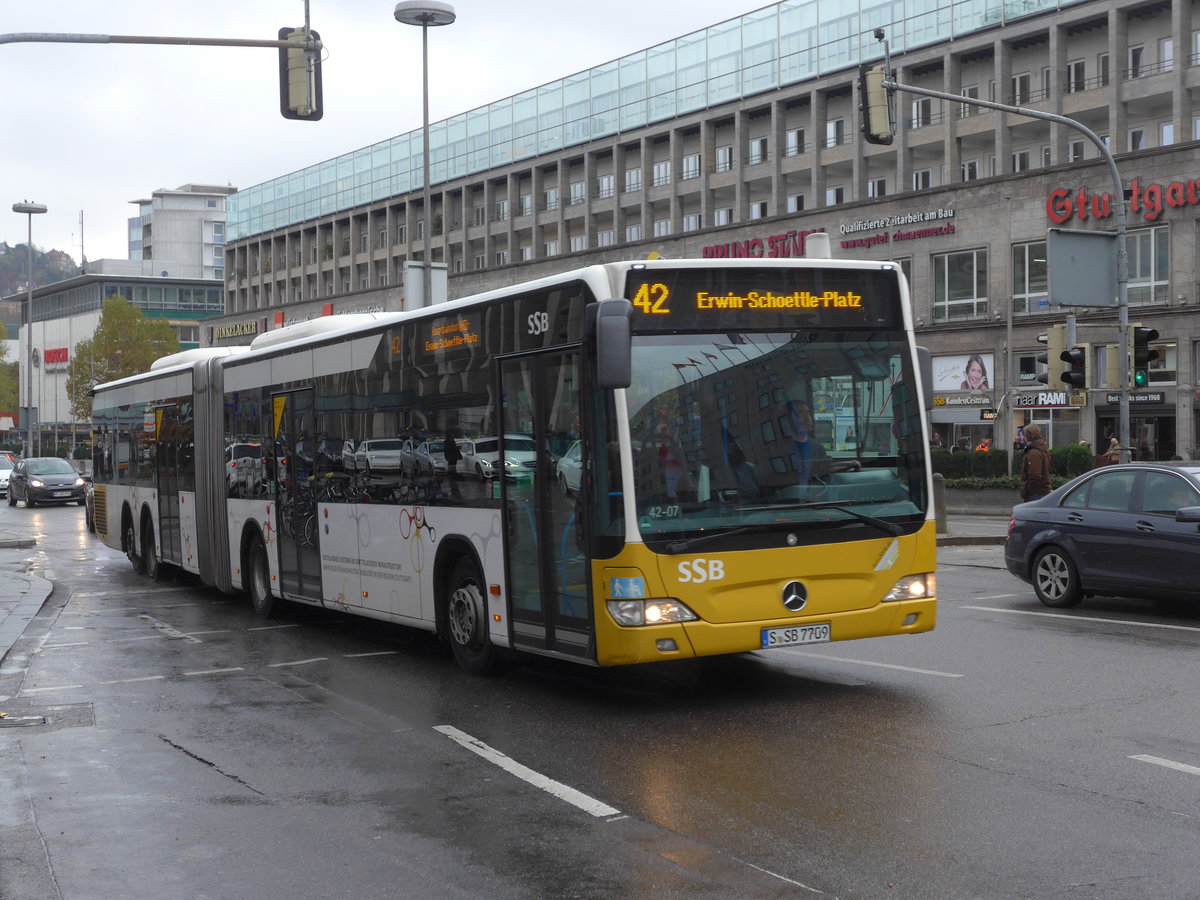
{"x": 1035, "y": 465}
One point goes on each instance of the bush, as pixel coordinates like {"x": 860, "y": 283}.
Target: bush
{"x": 989, "y": 469}
{"x": 82, "y": 451}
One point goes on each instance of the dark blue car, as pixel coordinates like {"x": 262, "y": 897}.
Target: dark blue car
{"x": 1128, "y": 530}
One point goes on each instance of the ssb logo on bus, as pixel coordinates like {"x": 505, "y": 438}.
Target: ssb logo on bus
{"x": 698, "y": 571}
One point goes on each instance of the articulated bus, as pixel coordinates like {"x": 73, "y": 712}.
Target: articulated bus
{"x": 627, "y": 463}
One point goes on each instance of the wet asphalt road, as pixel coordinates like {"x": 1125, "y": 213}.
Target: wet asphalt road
{"x": 192, "y": 750}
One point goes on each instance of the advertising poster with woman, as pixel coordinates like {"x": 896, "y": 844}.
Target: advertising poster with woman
{"x": 968, "y": 372}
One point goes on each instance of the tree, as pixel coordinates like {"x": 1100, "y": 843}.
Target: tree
{"x": 126, "y": 342}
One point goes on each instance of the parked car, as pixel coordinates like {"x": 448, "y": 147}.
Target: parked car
{"x": 45, "y": 479}
{"x": 6, "y": 467}
{"x": 1129, "y": 530}
{"x": 570, "y": 469}
{"x": 379, "y": 455}
{"x": 481, "y": 456}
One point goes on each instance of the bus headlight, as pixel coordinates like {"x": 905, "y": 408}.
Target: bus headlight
{"x": 649, "y": 612}
{"x": 914, "y": 587}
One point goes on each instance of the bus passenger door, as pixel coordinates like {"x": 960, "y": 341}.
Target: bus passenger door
{"x": 296, "y": 507}
{"x": 167, "y": 456}
{"x": 546, "y": 564}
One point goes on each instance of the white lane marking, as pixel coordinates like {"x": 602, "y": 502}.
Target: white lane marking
{"x": 217, "y": 631}
{"x": 1034, "y": 612}
{"x": 273, "y": 627}
{"x": 298, "y": 662}
{"x": 588, "y": 804}
{"x": 867, "y": 662}
{"x": 144, "y": 637}
{"x": 61, "y": 646}
{"x": 799, "y": 884}
{"x": 1168, "y": 763}
{"x": 170, "y": 630}
{"x": 216, "y": 671}
{"x": 58, "y": 687}
{"x": 134, "y": 680}
{"x": 373, "y": 653}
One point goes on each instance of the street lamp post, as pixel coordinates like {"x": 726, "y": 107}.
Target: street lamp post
{"x": 30, "y": 210}
{"x": 426, "y": 13}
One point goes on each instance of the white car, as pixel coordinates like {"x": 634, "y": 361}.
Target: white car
{"x": 570, "y": 469}
{"x": 6, "y": 467}
{"x": 244, "y": 467}
{"x": 379, "y": 455}
{"x": 481, "y": 456}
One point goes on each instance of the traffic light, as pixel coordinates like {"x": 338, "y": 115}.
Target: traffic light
{"x": 875, "y": 104}
{"x": 1055, "y": 339}
{"x": 1143, "y": 355}
{"x": 1076, "y": 372}
{"x": 299, "y": 77}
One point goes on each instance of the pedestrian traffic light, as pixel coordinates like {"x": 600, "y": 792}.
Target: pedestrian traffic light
{"x": 1076, "y": 372}
{"x": 1055, "y": 340}
{"x": 875, "y": 105}
{"x": 300, "y": 76}
{"x": 1143, "y": 355}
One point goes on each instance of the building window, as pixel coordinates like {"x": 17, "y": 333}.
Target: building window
{"x": 1046, "y": 85}
{"x": 970, "y": 91}
{"x": 1074, "y": 151}
{"x": 723, "y": 216}
{"x": 724, "y": 159}
{"x": 960, "y": 285}
{"x": 1046, "y": 155}
{"x": 757, "y": 151}
{"x": 551, "y": 197}
{"x": 1137, "y": 57}
{"x": 525, "y": 204}
{"x": 364, "y": 242}
{"x": 1137, "y": 139}
{"x": 876, "y": 188}
{"x": 795, "y": 142}
{"x": 1076, "y": 76}
{"x": 1166, "y": 54}
{"x": 1196, "y": 128}
{"x": 758, "y": 209}
{"x": 922, "y": 112}
{"x": 662, "y": 227}
{"x": 633, "y": 232}
{"x": 299, "y": 257}
{"x": 633, "y": 180}
{"x": 578, "y": 243}
{"x": 691, "y": 166}
{"x": 458, "y": 264}
{"x": 500, "y": 211}
{"x": 922, "y": 179}
{"x": 1020, "y": 161}
{"x": 1149, "y": 265}
{"x": 382, "y": 238}
{"x": 480, "y": 262}
{"x": 1020, "y": 89}
{"x": 576, "y": 193}
{"x": 550, "y": 248}
{"x": 835, "y": 132}
{"x": 480, "y": 216}
{"x": 835, "y": 195}
{"x": 1102, "y": 68}
{"x": 795, "y": 203}
{"x": 364, "y": 282}
{"x": 502, "y": 257}
{"x": 661, "y": 173}
{"x": 525, "y": 253}
{"x": 1166, "y": 134}
{"x": 968, "y": 170}
{"x": 691, "y": 222}
{"x": 1029, "y": 279}
{"x": 606, "y": 237}
{"x": 606, "y": 186}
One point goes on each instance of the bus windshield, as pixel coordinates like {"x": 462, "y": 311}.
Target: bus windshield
{"x": 752, "y": 430}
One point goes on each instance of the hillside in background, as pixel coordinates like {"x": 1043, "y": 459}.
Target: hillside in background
{"x": 49, "y": 266}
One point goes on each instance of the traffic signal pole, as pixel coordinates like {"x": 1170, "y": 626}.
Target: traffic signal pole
{"x": 889, "y": 83}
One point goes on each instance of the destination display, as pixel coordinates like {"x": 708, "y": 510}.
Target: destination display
{"x": 766, "y": 299}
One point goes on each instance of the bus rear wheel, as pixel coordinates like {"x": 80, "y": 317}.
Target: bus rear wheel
{"x": 258, "y": 581}
{"x": 131, "y": 552}
{"x": 466, "y": 620}
{"x": 155, "y": 570}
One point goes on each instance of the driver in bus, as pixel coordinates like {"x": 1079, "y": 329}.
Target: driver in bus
{"x": 809, "y": 458}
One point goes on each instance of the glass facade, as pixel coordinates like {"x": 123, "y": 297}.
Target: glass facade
{"x": 778, "y": 45}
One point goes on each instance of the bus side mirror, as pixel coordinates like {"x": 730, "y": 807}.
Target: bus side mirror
{"x": 612, "y": 332}
{"x": 925, "y": 364}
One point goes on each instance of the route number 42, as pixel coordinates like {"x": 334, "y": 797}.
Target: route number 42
{"x": 651, "y": 299}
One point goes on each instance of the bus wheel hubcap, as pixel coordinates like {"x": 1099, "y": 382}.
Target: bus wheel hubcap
{"x": 466, "y": 612}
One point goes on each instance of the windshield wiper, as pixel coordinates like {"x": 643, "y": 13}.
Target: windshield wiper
{"x": 882, "y": 524}
{"x": 685, "y": 545}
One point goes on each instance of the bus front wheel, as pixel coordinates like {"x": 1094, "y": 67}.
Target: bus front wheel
{"x": 466, "y": 619}
{"x": 258, "y": 578}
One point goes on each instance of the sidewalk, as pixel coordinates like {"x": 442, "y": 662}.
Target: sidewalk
{"x": 21, "y": 595}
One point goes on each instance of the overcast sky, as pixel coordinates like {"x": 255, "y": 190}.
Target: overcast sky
{"x": 90, "y": 127}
